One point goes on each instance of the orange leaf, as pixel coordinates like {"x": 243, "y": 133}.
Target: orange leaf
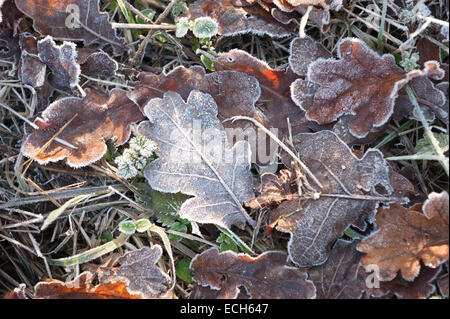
{"x": 99, "y": 117}
{"x": 405, "y": 237}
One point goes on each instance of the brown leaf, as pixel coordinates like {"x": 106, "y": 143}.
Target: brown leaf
{"x": 137, "y": 277}
{"x": 10, "y": 17}
{"x": 98, "y": 117}
{"x": 61, "y": 60}
{"x": 275, "y": 100}
{"x": 275, "y": 189}
{"x": 431, "y": 100}
{"x": 195, "y": 159}
{"x": 92, "y": 26}
{"x": 421, "y": 288}
{"x": 303, "y": 52}
{"x": 96, "y": 63}
{"x": 339, "y": 278}
{"x": 352, "y": 190}
{"x": 234, "y": 92}
{"x": 443, "y": 285}
{"x": 266, "y": 276}
{"x": 360, "y": 83}
{"x": 16, "y": 293}
{"x": 405, "y": 237}
{"x": 234, "y": 20}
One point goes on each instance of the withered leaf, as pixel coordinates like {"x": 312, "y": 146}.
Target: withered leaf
{"x": 275, "y": 189}
{"x": 16, "y": 293}
{"x": 96, "y": 63}
{"x": 405, "y": 237}
{"x": 352, "y": 190}
{"x": 305, "y": 51}
{"x": 137, "y": 277}
{"x": 431, "y": 100}
{"x": 32, "y": 69}
{"x": 360, "y": 83}
{"x": 98, "y": 117}
{"x": 339, "y": 277}
{"x": 10, "y": 17}
{"x": 275, "y": 100}
{"x": 86, "y": 22}
{"x": 443, "y": 285}
{"x": 265, "y": 276}
{"x": 61, "y": 60}
{"x": 421, "y": 288}
{"x": 195, "y": 159}
{"x": 234, "y": 92}
{"x": 235, "y": 20}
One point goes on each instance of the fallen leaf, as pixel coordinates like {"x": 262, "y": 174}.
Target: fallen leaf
{"x": 137, "y": 277}
{"x": 51, "y": 17}
{"x": 10, "y": 17}
{"x": 61, "y": 60}
{"x": 234, "y": 92}
{"x": 303, "y": 52}
{"x": 443, "y": 285}
{"x": 421, "y": 288}
{"x": 352, "y": 190}
{"x": 32, "y": 69}
{"x": 275, "y": 102}
{"x": 360, "y": 83}
{"x": 234, "y": 20}
{"x": 267, "y": 276}
{"x": 275, "y": 189}
{"x": 339, "y": 277}
{"x": 96, "y": 63}
{"x": 16, "y": 293}
{"x": 195, "y": 159}
{"x": 431, "y": 100}
{"x": 98, "y": 117}
{"x": 405, "y": 237}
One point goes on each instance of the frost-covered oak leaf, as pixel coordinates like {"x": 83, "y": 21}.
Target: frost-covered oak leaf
{"x": 72, "y": 19}
{"x": 235, "y": 20}
{"x": 137, "y": 277}
{"x": 99, "y": 117}
{"x": 339, "y": 277}
{"x": 352, "y": 190}
{"x": 360, "y": 83}
{"x": 94, "y": 62}
{"x": 405, "y": 237}
{"x": 420, "y": 288}
{"x": 195, "y": 159}
{"x": 275, "y": 100}
{"x": 267, "y": 276}
{"x": 61, "y": 60}
{"x": 234, "y": 92}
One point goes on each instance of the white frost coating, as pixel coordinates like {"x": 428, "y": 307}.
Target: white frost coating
{"x": 235, "y": 257}
{"x": 195, "y": 159}
{"x": 319, "y": 70}
{"x": 440, "y": 198}
{"x": 319, "y": 223}
{"x": 58, "y": 57}
{"x": 303, "y": 52}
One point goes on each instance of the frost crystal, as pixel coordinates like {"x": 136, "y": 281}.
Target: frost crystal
{"x": 205, "y": 27}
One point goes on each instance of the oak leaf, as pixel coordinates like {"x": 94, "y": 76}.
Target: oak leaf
{"x": 234, "y": 20}
{"x": 195, "y": 159}
{"x": 94, "y": 62}
{"x": 99, "y": 117}
{"x": 61, "y": 60}
{"x": 234, "y": 92}
{"x": 339, "y": 277}
{"x": 405, "y": 237}
{"x": 352, "y": 189}
{"x": 137, "y": 277}
{"x": 360, "y": 83}
{"x": 267, "y": 276}
{"x": 86, "y": 22}
{"x": 275, "y": 102}
{"x": 421, "y": 288}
